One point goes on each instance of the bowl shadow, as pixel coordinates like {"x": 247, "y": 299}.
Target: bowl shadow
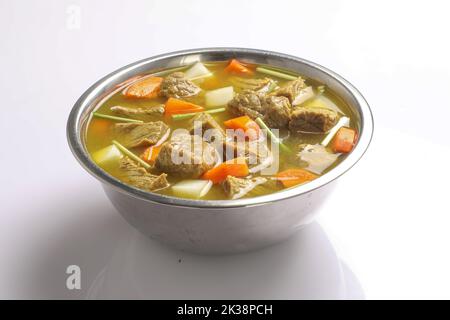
{"x": 303, "y": 267}
{"x": 117, "y": 262}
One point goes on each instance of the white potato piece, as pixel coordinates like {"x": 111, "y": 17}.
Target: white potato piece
{"x": 198, "y": 70}
{"x": 107, "y": 155}
{"x": 193, "y": 189}
{"x": 219, "y": 97}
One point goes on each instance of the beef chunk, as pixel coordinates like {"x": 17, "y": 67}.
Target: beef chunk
{"x": 277, "y": 111}
{"x": 141, "y": 134}
{"x": 204, "y": 121}
{"x": 315, "y": 158}
{"x": 140, "y": 178}
{"x": 177, "y": 86}
{"x": 125, "y": 111}
{"x": 247, "y": 103}
{"x": 256, "y": 153}
{"x": 236, "y": 188}
{"x": 186, "y": 156}
{"x": 312, "y": 119}
{"x": 257, "y": 85}
{"x": 274, "y": 110}
{"x": 291, "y": 90}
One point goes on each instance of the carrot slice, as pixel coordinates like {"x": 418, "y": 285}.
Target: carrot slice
{"x": 146, "y": 88}
{"x": 100, "y": 127}
{"x": 176, "y": 106}
{"x": 149, "y": 155}
{"x": 250, "y": 127}
{"x": 292, "y": 177}
{"x": 237, "y": 67}
{"x": 344, "y": 140}
{"x": 236, "y": 167}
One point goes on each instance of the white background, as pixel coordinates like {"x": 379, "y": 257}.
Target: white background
{"x": 388, "y": 219}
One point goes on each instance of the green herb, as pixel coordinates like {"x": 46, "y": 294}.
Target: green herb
{"x": 276, "y": 73}
{"x": 130, "y": 154}
{"x": 188, "y": 115}
{"x": 107, "y": 116}
{"x": 273, "y": 136}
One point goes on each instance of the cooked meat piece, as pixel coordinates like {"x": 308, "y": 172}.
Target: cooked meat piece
{"x": 247, "y": 103}
{"x": 141, "y": 134}
{"x": 291, "y": 89}
{"x": 258, "y": 85}
{"x": 125, "y": 111}
{"x": 274, "y": 110}
{"x": 177, "y": 86}
{"x": 186, "y": 156}
{"x": 236, "y": 188}
{"x": 277, "y": 111}
{"x": 312, "y": 120}
{"x": 315, "y": 158}
{"x": 204, "y": 121}
{"x": 140, "y": 178}
{"x": 257, "y": 154}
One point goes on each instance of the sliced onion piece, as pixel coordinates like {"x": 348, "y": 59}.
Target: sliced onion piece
{"x": 321, "y": 101}
{"x": 303, "y": 96}
{"x": 162, "y": 139}
{"x": 343, "y": 122}
{"x": 317, "y": 158}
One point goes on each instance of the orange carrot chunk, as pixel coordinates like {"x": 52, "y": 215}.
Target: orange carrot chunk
{"x": 146, "y": 88}
{"x": 176, "y": 106}
{"x": 250, "y": 127}
{"x": 100, "y": 127}
{"x": 236, "y": 167}
{"x": 344, "y": 140}
{"x": 149, "y": 155}
{"x": 237, "y": 67}
{"x": 292, "y": 177}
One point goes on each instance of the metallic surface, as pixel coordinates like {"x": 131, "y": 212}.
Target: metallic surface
{"x": 219, "y": 226}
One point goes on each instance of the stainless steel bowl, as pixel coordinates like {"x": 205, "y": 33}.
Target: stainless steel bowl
{"x": 220, "y": 226}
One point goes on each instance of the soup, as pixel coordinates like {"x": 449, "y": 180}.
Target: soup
{"x": 220, "y": 130}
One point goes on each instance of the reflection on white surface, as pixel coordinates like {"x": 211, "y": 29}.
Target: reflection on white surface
{"x": 304, "y": 267}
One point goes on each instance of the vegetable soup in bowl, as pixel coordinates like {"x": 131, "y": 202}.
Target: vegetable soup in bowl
{"x": 219, "y": 150}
